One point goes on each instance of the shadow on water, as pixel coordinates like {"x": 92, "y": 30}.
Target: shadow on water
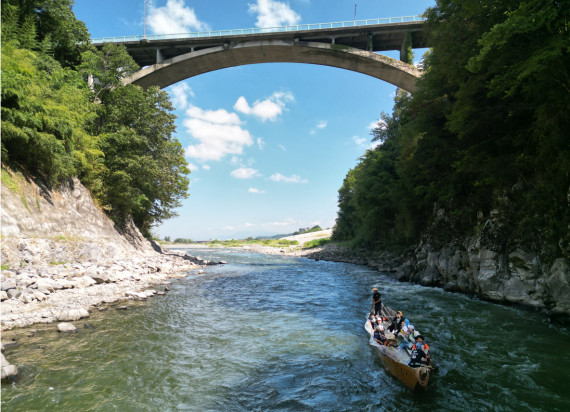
{"x": 283, "y": 333}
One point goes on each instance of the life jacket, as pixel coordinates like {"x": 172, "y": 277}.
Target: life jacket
{"x": 418, "y": 357}
{"x": 425, "y": 345}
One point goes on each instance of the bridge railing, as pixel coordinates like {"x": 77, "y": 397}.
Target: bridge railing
{"x": 238, "y": 32}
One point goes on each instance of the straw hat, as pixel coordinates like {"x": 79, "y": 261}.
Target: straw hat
{"x": 374, "y": 289}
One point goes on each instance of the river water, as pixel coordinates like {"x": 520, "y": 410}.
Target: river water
{"x": 284, "y": 333}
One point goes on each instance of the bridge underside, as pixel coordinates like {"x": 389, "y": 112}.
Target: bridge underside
{"x": 195, "y": 63}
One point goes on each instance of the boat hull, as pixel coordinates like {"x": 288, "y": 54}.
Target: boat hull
{"x": 396, "y": 362}
{"x": 405, "y": 374}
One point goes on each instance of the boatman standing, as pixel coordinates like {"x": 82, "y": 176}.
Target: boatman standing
{"x": 376, "y": 302}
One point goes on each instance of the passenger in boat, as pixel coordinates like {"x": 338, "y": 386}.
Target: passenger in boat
{"x": 379, "y": 336}
{"x": 396, "y": 323}
{"x": 379, "y": 323}
{"x": 420, "y": 353}
{"x": 376, "y": 302}
{"x": 406, "y": 334}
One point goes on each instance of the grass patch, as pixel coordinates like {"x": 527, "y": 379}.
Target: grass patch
{"x": 67, "y": 238}
{"x": 339, "y": 47}
{"x": 316, "y": 243}
{"x": 245, "y": 242}
{"x": 5, "y": 267}
{"x": 14, "y": 184}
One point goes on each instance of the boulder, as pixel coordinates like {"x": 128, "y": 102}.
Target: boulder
{"x": 8, "y": 284}
{"x": 45, "y": 283}
{"x": 83, "y": 282}
{"x": 103, "y": 277}
{"x": 39, "y": 295}
{"x": 559, "y": 284}
{"x": 66, "y": 327}
{"x": 9, "y": 372}
{"x": 3, "y": 295}
{"x": 514, "y": 290}
{"x": 72, "y": 314}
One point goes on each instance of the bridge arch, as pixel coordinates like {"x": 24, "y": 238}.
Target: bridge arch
{"x": 228, "y": 55}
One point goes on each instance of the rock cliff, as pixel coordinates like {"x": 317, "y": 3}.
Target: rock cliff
{"x": 61, "y": 255}
{"x": 42, "y": 226}
{"x": 481, "y": 264}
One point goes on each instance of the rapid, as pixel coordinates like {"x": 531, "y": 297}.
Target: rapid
{"x": 268, "y": 332}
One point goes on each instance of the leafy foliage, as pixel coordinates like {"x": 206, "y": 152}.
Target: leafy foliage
{"x": 145, "y": 167}
{"x": 316, "y": 243}
{"x": 45, "y": 25}
{"x": 45, "y": 109}
{"x": 486, "y": 129}
{"x": 119, "y": 140}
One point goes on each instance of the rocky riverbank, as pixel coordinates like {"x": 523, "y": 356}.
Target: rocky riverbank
{"x": 62, "y": 258}
{"x": 518, "y": 277}
{"x": 477, "y": 265}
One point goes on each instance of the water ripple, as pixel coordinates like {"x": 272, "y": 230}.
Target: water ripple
{"x": 285, "y": 334}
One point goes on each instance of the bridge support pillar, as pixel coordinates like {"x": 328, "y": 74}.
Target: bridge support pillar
{"x": 406, "y": 49}
{"x": 159, "y": 56}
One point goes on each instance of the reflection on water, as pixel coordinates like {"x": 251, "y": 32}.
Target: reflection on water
{"x": 284, "y": 333}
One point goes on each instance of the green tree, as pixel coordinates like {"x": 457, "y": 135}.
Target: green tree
{"x": 44, "y": 117}
{"x": 487, "y": 128}
{"x": 50, "y": 22}
{"x": 106, "y": 68}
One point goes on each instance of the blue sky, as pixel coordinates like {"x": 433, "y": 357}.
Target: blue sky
{"x": 268, "y": 144}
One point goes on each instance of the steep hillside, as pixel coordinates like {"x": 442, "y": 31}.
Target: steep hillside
{"x": 61, "y": 255}
{"x": 40, "y": 225}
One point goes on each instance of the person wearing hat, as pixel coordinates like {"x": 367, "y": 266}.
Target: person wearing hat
{"x": 420, "y": 353}
{"x": 376, "y": 302}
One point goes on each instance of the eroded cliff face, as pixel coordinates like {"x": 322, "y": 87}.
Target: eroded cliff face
{"x": 62, "y": 256}
{"x": 44, "y": 226}
{"x": 493, "y": 268}
{"x": 487, "y": 264}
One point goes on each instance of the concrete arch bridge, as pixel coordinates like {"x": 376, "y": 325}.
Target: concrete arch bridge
{"x": 352, "y": 45}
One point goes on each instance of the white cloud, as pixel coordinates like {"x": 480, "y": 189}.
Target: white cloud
{"x": 272, "y": 13}
{"x": 267, "y": 109}
{"x": 377, "y": 123}
{"x": 360, "y": 141}
{"x": 219, "y": 133}
{"x": 364, "y": 143}
{"x": 260, "y": 143}
{"x": 320, "y": 125}
{"x": 286, "y": 222}
{"x": 174, "y": 18}
{"x": 192, "y": 167}
{"x": 278, "y": 177}
{"x": 282, "y": 147}
{"x": 206, "y": 167}
{"x": 179, "y": 93}
{"x": 254, "y": 190}
{"x": 244, "y": 173}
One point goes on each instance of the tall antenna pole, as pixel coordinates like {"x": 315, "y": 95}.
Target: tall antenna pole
{"x": 144, "y": 16}
{"x": 355, "y": 11}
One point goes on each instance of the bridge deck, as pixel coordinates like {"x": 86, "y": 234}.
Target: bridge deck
{"x": 373, "y": 35}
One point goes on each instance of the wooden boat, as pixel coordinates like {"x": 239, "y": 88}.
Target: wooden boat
{"x": 396, "y": 362}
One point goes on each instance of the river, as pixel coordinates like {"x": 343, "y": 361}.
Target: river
{"x": 284, "y": 333}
